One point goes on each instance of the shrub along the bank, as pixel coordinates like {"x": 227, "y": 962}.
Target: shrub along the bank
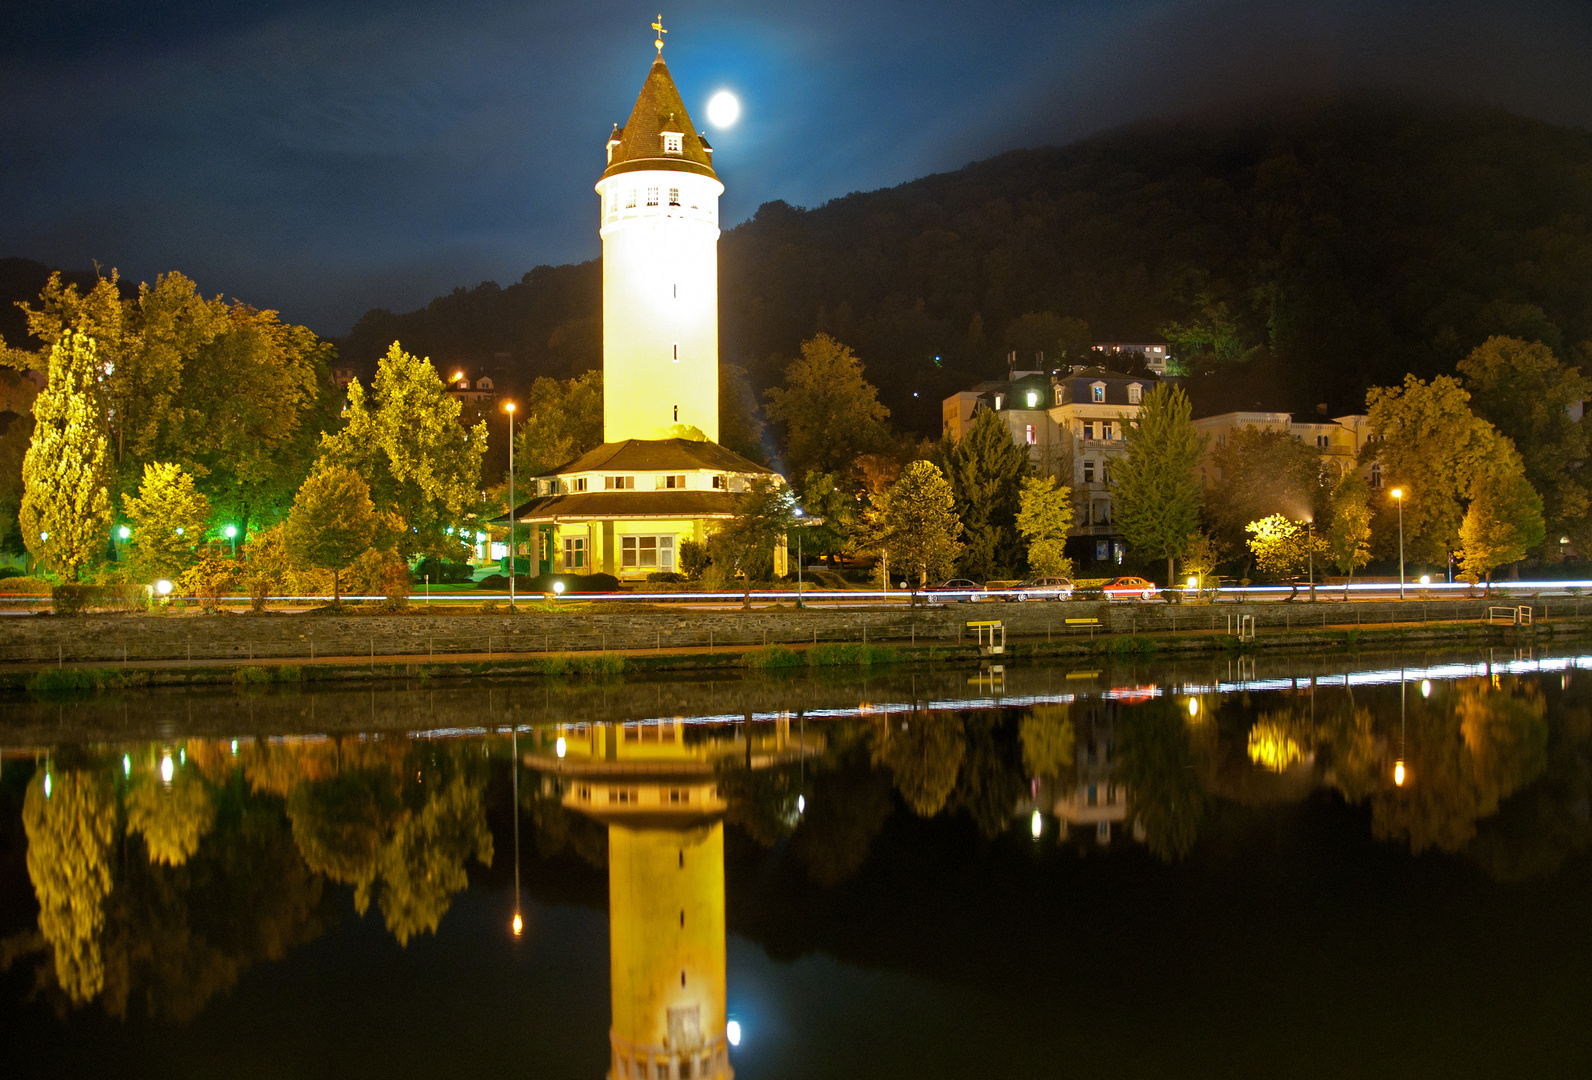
{"x": 829, "y": 654}
{"x": 72, "y": 598}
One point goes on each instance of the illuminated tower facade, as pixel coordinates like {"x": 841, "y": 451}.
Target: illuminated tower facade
{"x": 659, "y": 200}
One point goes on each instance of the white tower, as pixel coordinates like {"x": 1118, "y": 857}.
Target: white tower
{"x": 660, "y": 230}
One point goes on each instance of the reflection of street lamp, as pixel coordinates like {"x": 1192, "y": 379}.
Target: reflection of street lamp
{"x": 1398, "y": 496}
{"x": 518, "y": 925}
{"x": 508, "y": 407}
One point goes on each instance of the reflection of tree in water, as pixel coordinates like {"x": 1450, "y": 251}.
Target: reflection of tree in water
{"x": 1535, "y": 830}
{"x": 230, "y": 874}
{"x": 924, "y": 754}
{"x": 762, "y": 802}
{"x": 422, "y": 866}
{"x": 1155, "y": 761}
{"x": 558, "y": 829}
{"x": 70, "y": 829}
{"x": 1461, "y": 763}
{"x": 173, "y": 817}
{"x": 991, "y": 779}
{"x": 1049, "y": 740}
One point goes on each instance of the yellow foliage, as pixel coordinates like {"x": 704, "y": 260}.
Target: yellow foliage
{"x": 70, "y": 832}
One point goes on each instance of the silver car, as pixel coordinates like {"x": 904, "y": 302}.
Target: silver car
{"x": 1044, "y": 588}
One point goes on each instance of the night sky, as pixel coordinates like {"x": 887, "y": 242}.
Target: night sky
{"x": 324, "y": 157}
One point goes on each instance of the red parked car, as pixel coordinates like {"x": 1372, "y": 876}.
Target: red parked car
{"x": 1130, "y": 588}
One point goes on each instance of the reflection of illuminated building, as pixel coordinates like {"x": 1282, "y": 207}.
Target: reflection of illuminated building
{"x": 654, "y": 784}
{"x": 1096, "y": 800}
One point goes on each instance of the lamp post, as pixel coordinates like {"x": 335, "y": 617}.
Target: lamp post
{"x": 1310, "y": 542}
{"x": 231, "y": 533}
{"x": 508, "y": 407}
{"x": 1398, "y": 497}
{"x": 799, "y": 512}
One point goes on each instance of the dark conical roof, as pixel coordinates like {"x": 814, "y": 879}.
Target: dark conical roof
{"x": 658, "y": 110}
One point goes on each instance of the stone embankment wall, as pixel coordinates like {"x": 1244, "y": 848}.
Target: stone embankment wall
{"x": 110, "y": 639}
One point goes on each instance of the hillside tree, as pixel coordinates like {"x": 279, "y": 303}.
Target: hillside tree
{"x": 915, "y": 525}
{"x": 406, "y": 441}
{"x": 557, "y": 422}
{"x": 1155, "y": 495}
{"x": 332, "y": 523}
{"x": 830, "y": 413}
{"x": 1044, "y": 518}
{"x": 986, "y": 469}
{"x": 169, "y": 518}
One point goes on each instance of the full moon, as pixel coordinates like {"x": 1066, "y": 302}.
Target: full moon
{"x": 723, "y": 109}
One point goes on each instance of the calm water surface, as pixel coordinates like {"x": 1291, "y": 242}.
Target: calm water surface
{"x": 1205, "y": 869}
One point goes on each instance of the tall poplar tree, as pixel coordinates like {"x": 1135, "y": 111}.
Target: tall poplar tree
{"x": 1155, "y": 495}
{"x": 66, "y": 506}
{"x": 170, "y": 518}
{"x": 915, "y": 523}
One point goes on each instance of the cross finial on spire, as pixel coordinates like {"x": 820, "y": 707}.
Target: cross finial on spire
{"x": 658, "y": 26}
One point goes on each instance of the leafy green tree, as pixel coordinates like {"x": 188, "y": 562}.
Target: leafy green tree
{"x": 332, "y": 522}
{"x": 1431, "y": 445}
{"x": 1199, "y": 559}
{"x": 1349, "y": 527}
{"x": 848, "y": 802}
{"x": 13, "y": 447}
{"x": 829, "y": 412}
{"x": 1260, "y": 473}
{"x": 1210, "y": 340}
{"x": 986, "y": 470}
{"x": 745, "y": 544}
{"x": 1527, "y": 393}
{"x": 407, "y": 443}
{"x": 1043, "y": 518}
{"x": 1282, "y": 547}
{"x": 915, "y": 524}
{"x": 169, "y": 519}
{"x": 557, "y": 422}
{"x": 422, "y": 866}
{"x": 1155, "y": 495}
{"x": 265, "y": 564}
{"x": 70, "y": 821}
{"x": 66, "y": 509}
{"x": 1062, "y": 340}
{"x": 1503, "y": 522}
{"x": 824, "y": 500}
{"x": 991, "y": 779}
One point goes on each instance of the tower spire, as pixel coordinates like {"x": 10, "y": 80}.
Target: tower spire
{"x": 658, "y": 26}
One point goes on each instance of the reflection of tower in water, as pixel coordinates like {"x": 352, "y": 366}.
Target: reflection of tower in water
{"x": 655, "y": 785}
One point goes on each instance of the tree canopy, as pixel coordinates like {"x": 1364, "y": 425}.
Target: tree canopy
{"x": 986, "y": 470}
{"x": 1155, "y": 494}
{"x": 332, "y": 522}
{"x": 915, "y": 523}
{"x": 829, "y": 413}
{"x": 556, "y": 423}
{"x": 66, "y": 509}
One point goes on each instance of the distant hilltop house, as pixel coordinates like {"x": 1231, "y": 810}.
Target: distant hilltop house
{"x": 463, "y": 389}
{"x": 1156, "y": 353}
{"x": 1072, "y": 423}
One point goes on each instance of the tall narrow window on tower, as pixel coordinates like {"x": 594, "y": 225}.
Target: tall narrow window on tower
{"x": 630, "y": 200}
{"x": 677, "y": 352}
{"x": 652, "y": 196}
{"x": 674, "y": 196}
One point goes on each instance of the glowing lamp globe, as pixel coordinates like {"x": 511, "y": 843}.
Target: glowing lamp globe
{"x": 518, "y": 924}
{"x": 166, "y": 769}
{"x": 1036, "y": 825}
{"x": 124, "y": 532}
{"x": 561, "y": 747}
{"x": 230, "y": 531}
{"x": 732, "y": 1032}
{"x": 558, "y": 587}
{"x": 162, "y": 587}
{"x": 723, "y": 109}
{"x": 1398, "y": 773}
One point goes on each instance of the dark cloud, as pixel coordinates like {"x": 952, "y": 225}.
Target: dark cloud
{"x": 326, "y": 157}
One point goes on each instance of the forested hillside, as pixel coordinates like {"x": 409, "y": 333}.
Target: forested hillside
{"x": 1329, "y": 245}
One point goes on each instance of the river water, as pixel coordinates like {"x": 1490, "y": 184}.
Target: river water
{"x": 1294, "y": 866}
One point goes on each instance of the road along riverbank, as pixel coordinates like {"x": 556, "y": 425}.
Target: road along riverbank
{"x": 187, "y": 649}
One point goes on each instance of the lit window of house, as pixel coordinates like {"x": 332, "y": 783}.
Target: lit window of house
{"x": 677, "y": 480}
{"x": 1323, "y": 441}
{"x": 578, "y": 484}
{"x": 1376, "y": 474}
{"x": 997, "y": 403}
{"x": 672, "y": 142}
{"x": 574, "y": 553}
{"x": 1088, "y": 472}
{"x": 1031, "y": 437}
{"x": 1033, "y": 399}
{"x": 646, "y": 552}
{"x": 1088, "y": 429}
{"x": 1135, "y": 393}
{"x": 619, "y": 483}
{"x": 1105, "y": 430}
{"x": 1102, "y": 550}
{"x": 1097, "y": 392}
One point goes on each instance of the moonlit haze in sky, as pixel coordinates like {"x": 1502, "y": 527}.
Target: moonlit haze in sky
{"x": 323, "y": 157}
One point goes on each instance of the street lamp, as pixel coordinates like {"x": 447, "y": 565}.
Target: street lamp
{"x": 1310, "y": 542}
{"x": 1398, "y": 497}
{"x": 508, "y": 407}
{"x": 799, "y": 513}
{"x": 231, "y": 533}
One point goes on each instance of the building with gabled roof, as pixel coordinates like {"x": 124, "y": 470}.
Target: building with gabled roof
{"x": 660, "y": 477}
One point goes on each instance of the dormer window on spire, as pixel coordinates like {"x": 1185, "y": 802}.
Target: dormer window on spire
{"x": 673, "y": 142}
